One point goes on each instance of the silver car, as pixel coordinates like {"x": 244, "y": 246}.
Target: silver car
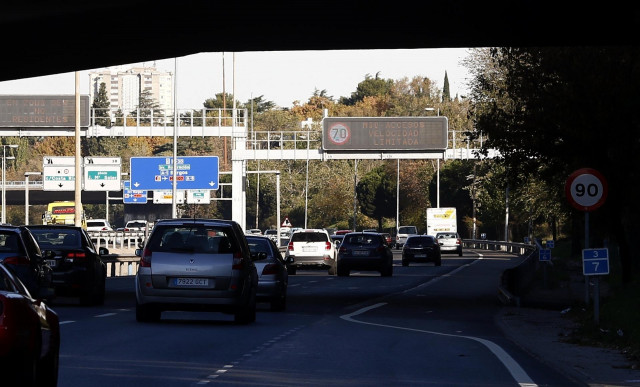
{"x": 196, "y": 264}
{"x": 450, "y": 242}
{"x": 272, "y": 271}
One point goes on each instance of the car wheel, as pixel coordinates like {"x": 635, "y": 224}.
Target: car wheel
{"x": 332, "y": 269}
{"x": 247, "y": 313}
{"x": 405, "y": 262}
{"x": 460, "y": 253}
{"x": 343, "y": 272}
{"x": 438, "y": 261}
{"x": 387, "y": 272}
{"x": 291, "y": 270}
{"x": 147, "y": 313}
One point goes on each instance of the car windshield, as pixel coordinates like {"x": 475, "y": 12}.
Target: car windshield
{"x": 417, "y": 241}
{"x": 407, "y": 230}
{"x": 49, "y": 238}
{"x": 258, "y": 246}
{"x": 362, "y": 239}
{"x": 196, "y": 238}
{"x": 9, "y": 243}
{"x": 309, "y": 237}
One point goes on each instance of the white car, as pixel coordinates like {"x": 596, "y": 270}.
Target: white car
{"x": 450, "y": 242}
{"x": 98, "y": 225}
{"x": 311, "y": 248}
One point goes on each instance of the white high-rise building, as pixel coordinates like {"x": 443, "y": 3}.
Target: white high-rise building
{"x": 124, "y": 87}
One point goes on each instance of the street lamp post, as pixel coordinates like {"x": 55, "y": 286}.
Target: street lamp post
{"x": 4, "y": 188}
{"x": 26, "y": 194}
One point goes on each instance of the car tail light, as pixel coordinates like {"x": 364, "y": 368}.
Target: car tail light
{"x": 380, "y": 248}
{"x": 342, "y": 249}
{"x": 104, "y": 229}
{"x": 270, "y": 268}
{"x": 290, "y": 246}
{"x": 75, "y": 256}
{"x": 238, "y": 261}
{"x": 145, "y": 258}
{"x": 458, "y": 241}
{"x": 327, "y": 246}
{"x": 16, "y": 260}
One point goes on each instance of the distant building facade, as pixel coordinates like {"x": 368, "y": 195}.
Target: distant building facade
{"x": 124, "y": 87}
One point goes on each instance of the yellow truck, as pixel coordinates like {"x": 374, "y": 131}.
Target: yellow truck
{"x": 62, "y": 212}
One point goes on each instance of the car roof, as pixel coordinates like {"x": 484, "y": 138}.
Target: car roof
{"x": 59, "y": 226}
{"x": 195, "y": 220}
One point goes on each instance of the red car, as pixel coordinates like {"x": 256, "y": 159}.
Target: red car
{"x": 29, "y": 336}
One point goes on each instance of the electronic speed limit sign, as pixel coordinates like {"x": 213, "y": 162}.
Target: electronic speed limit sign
{"x": 586, "y": 189}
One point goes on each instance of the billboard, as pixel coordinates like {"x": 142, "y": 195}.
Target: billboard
{"x": 385, "y": 133}
{"x": 42, "y": 111}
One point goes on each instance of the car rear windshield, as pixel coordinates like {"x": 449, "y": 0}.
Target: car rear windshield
{"x": 9, "y": 243}
{"x": 49, "y": 239}
{"x": 258, "y": 246}
{"x": 408, "y": 230}
{"x": 447, "y": 236}
{"x": 424, "y": 241}
{"x": 362, "y": 239}
{"x": 309, "y": 237}
{"x": 196, "y": 238}
{"x": 136, "y": 224}
{"x": 95, "y": 224}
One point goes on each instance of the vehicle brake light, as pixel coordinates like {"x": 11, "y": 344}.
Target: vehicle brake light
{"x": 380, "y": 248}
{"x": 238, "y": 261}
{"x": 327, "y": 246}
{"x": 342, "y": 249}
{"x": 16, "y": 260}
{"x": 270, "y": 268}
{"x": 290, "y": 246}
{"x": 458, "y": 241}
{"x": 75, "y": 256}
{"x": 145, "y": 259}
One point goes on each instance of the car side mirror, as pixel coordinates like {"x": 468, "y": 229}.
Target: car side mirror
{"x": 138, "y": 252}
{"x": 103, "y": 251}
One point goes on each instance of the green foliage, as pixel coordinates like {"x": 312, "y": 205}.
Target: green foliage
{"x": 446, "y": 94}
{"x": 376, "y": 194}
{"x": 370, "y": 87}
{"x": 101, "y": 105}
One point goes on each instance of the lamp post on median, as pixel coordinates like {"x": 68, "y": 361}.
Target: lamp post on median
{"x": 26, "y": 194}
{"x": 4, "y": 188}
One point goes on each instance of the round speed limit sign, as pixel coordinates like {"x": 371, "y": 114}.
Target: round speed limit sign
{"x": 339, "y": 133}
{"x": 586, "y": 189}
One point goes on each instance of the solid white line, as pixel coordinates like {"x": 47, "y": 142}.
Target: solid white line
{"x": 66, "y": 322}
{"x": 105, "y": 315}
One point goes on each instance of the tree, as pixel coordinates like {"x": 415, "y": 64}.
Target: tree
{"x": 550, "y": 111}
{"x": 446, "y": 94}
{"x": 146, "y": 107}
{"x": 101, "y": 106}
{"x": 376, "y": 195}
{"x": 370, "y": 87}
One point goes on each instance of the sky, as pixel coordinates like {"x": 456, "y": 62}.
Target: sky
{"x": 279, "y": 76}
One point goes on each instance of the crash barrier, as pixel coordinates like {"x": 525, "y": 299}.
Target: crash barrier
{"x": 118, "y": 265}
{"x": 516, "y": 281}
{"x": 117, "y": 239}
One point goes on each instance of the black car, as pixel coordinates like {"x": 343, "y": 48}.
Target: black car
{"x": 421, "y": 248}
{"x": 78, "y": 268}
{"x": 364, "y": 251}
{"x": 20, "y": 251}
{"x": 273, "y": 278}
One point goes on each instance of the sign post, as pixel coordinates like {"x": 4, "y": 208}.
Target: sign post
{"x": 586, "y": 189}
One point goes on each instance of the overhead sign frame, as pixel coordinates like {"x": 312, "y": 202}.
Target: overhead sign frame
{"x": 385, "y": 133}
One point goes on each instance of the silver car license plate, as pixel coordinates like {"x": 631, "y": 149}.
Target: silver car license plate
{"x": 191, "y": 282}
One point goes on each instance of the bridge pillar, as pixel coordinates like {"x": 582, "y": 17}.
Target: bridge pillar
{"x": 239, "y": 178}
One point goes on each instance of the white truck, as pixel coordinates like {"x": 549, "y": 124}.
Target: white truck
{"x": 441, "y": 219}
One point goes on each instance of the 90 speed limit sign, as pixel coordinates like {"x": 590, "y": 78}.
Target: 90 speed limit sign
{"x": 586, "y": 189}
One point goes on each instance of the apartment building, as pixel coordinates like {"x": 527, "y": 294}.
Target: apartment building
{"x": 124, "y": 86}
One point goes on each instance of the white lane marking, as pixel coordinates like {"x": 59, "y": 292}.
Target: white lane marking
{"x": 519, "y": 374}
{"x": 66, "y": 322}
{"x": 105, "y": 315}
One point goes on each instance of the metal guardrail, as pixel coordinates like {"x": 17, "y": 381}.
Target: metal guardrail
{"x": 509, "y": 247}
{"x": 117, "y": 239}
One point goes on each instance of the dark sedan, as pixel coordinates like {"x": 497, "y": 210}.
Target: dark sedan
{"x": 273, "y": 278}
{"x": 365, "y": 251}
{"x": 20, "y": 251}
{"x": 78, "y": 268}
{"x": 29, "y": 335}
{"x": 421, "y": 248}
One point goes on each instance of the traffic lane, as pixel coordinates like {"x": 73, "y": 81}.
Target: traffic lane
{"x": 462, "y": 306}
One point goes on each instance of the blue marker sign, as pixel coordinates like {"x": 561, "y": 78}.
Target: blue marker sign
{"x": 130, "y": 196}
{"x": 595, "y": 261}
{"x": 156, "y": 173}
{"x": 544, "y": 255}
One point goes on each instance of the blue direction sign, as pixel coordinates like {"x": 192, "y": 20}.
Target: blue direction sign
{"x": 156, "y": 173}
{"x": 130, "y": 196}
{"x": 595, "y": 261}
{"x": 544, "y": 255}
